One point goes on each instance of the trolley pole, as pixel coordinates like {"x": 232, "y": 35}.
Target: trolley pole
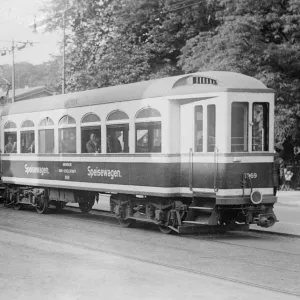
{"x": 13, "y": 71}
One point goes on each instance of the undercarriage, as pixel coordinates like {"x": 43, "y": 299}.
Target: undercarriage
{"x": 190, "y": 215}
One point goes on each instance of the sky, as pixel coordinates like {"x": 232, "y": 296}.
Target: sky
{"x": 15, "y": 19}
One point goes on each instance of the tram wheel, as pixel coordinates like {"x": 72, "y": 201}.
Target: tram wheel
{"x": 42, "y": 205}
{"x": 126, "y": 223}
{"x": 165, "y": 229}
{"x": 85, "y": 207}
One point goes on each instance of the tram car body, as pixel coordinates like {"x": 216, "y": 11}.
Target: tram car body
{"x": 183, "y": 152}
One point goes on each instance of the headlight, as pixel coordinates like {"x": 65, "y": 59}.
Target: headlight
{"x": 256, "y": 197}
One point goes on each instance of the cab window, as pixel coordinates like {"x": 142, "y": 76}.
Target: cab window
{"x": 199, "y": 128}
{"x": 260, "y": 127}
{"x": 239, "y": 126}
{"x": 211, "y": 128}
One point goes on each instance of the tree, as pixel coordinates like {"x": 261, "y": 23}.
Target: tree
{"x": 121, "y": 41}
{"x": 260, "y": 39}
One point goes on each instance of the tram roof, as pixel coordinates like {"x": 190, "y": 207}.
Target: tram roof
{"x": 164, "y": 87}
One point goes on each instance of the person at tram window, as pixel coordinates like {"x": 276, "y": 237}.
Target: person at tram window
{"x": 91, "y": 145}
{"x": 278, "y": 174}
{"x": 10, "y": 147}
{"x": 117, "y": 147}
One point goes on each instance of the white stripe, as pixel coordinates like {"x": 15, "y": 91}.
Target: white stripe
{"x": 226, "y": 160}
{"x": 139, "y": 159}
{"x": 228, "y": 192}
{"x": 95, "y": 158}
{"x": 239, "y": 192}
{"x": 95, "y": 186}
{"x": 130, "y": 188}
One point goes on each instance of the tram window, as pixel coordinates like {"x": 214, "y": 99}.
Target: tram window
{"x": 260, "y": 128}
{"x": 117, "y": 138}
{"x": 27, "y": 142}
{"x": 198, "y": 129}
{"x": 148, "y": 137}
{"x": 91, "y": 139}
{"x": 211, "y": 128}
{"x": 239, "y": 127}
{"x": 10, "y": 142}
{"x": 46, "y": 141}
{"x": 67, "y": 140}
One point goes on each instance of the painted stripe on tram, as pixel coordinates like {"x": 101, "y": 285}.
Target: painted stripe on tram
{"x": 117, "y": 188}
{"x": 197, "y": 158}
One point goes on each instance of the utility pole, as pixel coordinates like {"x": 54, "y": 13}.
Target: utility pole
{"x": 13, "y": 71}
{"x": 63, "y": 54}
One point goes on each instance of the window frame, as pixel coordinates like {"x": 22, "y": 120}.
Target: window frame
{"x": 248, "y": 104}
{"x": 45, "y": 128}
{"x": 61, "y": 128}
{"x": 267, "y": 121}
{"x": 153, "y": 121}
{"x": 208, "y": 144}
{"x": 90, "y": 126}
{"x": 123, "y": 125}
{"x": 26, "y": 130}
{"x": 195, "y": 128}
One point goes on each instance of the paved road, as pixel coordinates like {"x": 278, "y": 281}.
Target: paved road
{"x": 75, "y": 256}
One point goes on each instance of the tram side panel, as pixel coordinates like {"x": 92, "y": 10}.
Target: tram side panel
{"x": 135, "y": 178}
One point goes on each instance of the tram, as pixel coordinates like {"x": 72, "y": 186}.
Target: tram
{"x": 182, "y": 152}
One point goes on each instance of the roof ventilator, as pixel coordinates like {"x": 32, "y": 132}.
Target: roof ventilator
{"x": 204, "y": 80}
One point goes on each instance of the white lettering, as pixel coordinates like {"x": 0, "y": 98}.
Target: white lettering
{"x": 251, "y": 175}
{"x": 103, "y": 173}
{"x": 36, "y": 170}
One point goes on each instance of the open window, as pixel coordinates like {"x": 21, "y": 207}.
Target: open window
{"x": 211, "y": 127}
{"x": 10, "y": 137}
{"x": 260, "y": 127}
{"x": 239, "y": 126}
{"x": 90, "y": 134}
{"x": 199, "y": 128}
{"x": 148, "y": 131}
{"x": 27, "y": 137}
{"x": 117, "y": 131}
{"x": 67, "y": 135}
{"x": 46, "y": 136}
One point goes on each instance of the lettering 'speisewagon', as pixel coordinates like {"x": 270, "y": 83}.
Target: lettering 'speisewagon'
{"x": 183, "y": 152}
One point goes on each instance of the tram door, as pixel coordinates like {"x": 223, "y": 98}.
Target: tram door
{"x": 198, "y": 136}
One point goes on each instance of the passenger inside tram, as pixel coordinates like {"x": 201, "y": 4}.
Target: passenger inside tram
{"x": 10, "y": 147}
{"x": 93, "y": 145}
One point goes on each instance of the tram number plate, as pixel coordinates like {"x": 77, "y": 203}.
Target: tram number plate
{"x": 251, "y": 175}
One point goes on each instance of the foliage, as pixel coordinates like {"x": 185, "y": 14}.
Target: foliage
{"x": 260, "y": 39}
{"x": 26, "y": 74}
{"x": 111, "y": 42}
{"x": 120, "y": 41}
